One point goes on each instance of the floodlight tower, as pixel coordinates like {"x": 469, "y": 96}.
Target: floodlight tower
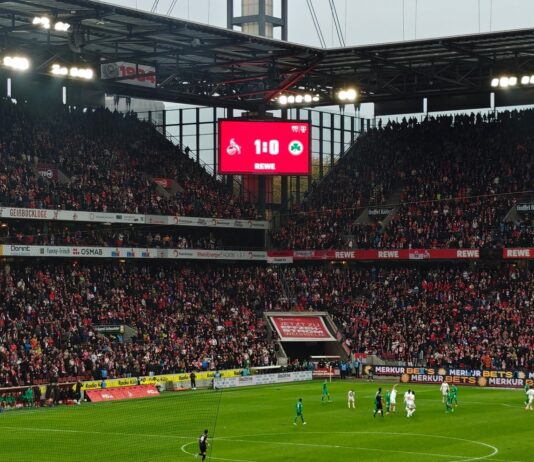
{"x": 257, "y": 18}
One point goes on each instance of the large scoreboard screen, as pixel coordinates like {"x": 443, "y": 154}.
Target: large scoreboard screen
{"x": 264, "y": 147}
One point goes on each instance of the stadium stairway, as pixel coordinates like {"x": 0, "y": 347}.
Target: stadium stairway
{"x": 393, "y": 199}
{"x": 512, "y": 215}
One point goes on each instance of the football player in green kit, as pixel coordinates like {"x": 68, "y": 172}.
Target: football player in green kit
{"x": 299, "y": 410}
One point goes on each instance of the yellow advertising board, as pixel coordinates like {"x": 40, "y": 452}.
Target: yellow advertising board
{"x": 207, "y": 375}
{"x": 155, "y": 379}
{"x": 110, "y": 383}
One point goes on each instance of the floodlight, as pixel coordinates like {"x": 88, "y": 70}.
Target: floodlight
{"x": 57, "y": 69}
{"x": 342, "y": 95}
{"x": 18, "y": 63}
{"x": 351, "y": 94}
{"x": 283, "y": 100}
{"x": 62, "y": 26}
{"x": 42, "y": 21}
{"x": 495, "y": 82}
{"x": 503, "y": 82}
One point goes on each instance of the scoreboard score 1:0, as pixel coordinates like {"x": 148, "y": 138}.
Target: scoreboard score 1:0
{"x": 258, "y": 147}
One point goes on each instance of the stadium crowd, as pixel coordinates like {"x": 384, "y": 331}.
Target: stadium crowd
{"x": 201, "y": 317}
{"x": 29, "y": 232}
{"x": 455, "y": 193}
{"x": 189, "y": 318}
{"x": 436, "y": 316}
{"x": 108, "y": 161}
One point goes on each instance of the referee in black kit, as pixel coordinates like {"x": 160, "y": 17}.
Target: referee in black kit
{"x": 203, "y": 444}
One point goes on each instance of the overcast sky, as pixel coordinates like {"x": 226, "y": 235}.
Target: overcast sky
{"x": 370, "y": 21}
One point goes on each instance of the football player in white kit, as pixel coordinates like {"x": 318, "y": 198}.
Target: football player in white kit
{"x": 406, "y": 394}
{"x": 351, "y": 396}
{"x": 530, "y": 396}
{"x": 410, "y": 403}
{"x": 393, "y": 399}
{"x": 444, "y": 391}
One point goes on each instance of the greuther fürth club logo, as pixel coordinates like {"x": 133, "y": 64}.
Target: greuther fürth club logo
{"x": 296, "y": 148}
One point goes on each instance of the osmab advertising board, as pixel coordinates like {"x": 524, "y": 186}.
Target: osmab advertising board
{"x": 260, "y": 147}
{"x": 473, "y": 377}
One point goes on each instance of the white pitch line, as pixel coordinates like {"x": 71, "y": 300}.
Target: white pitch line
{"x": 331, "y": 446}
{"x": 148, "y": 435}
{"x": 84, "y": 432}
{"x": 211, "y": 457}
{"x": 468, "y": 459}
{"x": 230, "y": 438}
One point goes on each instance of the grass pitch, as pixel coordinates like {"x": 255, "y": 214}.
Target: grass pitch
{"x": 256, "y": 425}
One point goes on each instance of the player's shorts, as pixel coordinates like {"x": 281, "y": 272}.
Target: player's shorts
{"x": 444, "y": 393}
{"x": 393, "y": 400}
{"x": 531, "y": 400}
{"x": 351, "y": 400}
{"x": 203, "y": 449}
{"x": 378, "y": 405}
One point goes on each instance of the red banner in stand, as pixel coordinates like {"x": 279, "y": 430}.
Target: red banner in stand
{"x": 382, "y": 254}
{"x": 47, "y": 171}
{"x": 518, "y": 254}
{"x": 115, "y": 394}
{"x": 301, "y": 328}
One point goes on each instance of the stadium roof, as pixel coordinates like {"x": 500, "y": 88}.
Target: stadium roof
{"x": 207, "y": 65}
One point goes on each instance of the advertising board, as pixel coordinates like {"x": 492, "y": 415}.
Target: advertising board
{"x": 473, "y": 377}
{"x": 130, "y": 73}
{"x": 263, "y": 379}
